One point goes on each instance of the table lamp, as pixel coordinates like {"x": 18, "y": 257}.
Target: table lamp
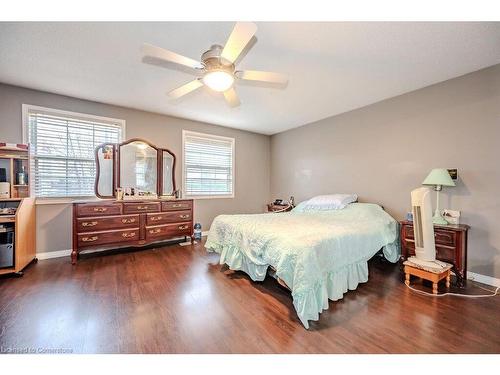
{"x": 438, "y": 178}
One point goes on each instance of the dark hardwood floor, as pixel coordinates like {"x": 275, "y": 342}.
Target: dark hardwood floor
{"x": 178, "y": 299}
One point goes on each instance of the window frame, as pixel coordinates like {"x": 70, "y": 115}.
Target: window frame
{"x": 27, "y": 108}
{"x": 208, "y": 136}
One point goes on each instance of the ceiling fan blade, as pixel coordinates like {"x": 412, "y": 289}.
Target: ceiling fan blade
{"x": 231, "y": 97}
{"x": 256, "y": 75}
{"x": 185, "y": 89}
{"x": 163, "y": 54}
{"x": 239, "y": 38}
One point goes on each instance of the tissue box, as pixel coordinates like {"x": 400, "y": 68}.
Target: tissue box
{"x": 451, "y": 216}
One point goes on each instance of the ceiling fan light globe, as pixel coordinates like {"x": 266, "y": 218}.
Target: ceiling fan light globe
{"x": 218, "y": 80}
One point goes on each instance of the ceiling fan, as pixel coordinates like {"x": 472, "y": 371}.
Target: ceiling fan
{"x": 217, "y": 66}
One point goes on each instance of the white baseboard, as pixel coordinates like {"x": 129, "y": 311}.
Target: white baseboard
{"x": 67, "y": 253}
{"x": 484, "y": 279}
{"x": 53, "y": 254}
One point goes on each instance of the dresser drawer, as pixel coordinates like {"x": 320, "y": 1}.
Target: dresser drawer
{"x": 93, "y": 224}
{"x": 97, "y": 209}
{"x": 168, "y": 217}
{"x": 132, "y": 208}
{"x": 176, "y": 205}
{"x": 168, "y": 230}
{"x": 100, "y": 238}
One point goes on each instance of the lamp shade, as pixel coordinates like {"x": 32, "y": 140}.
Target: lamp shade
{"x": 439, "y": 176}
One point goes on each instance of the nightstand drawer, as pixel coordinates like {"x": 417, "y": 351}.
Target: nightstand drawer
{"x": 444, "y": 237}
{"x": 443, "y": 253}
{"x": 441, "y": 236}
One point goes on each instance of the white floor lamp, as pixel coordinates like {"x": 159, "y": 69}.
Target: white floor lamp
{"x": 438, "y": 178}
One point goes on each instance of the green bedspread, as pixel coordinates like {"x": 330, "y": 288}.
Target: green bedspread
{"x": 320, "y": 255}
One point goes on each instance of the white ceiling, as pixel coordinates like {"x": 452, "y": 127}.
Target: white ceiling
{"x": 332, "y": 67}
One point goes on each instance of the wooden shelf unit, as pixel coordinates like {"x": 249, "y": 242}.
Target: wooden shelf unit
{"x": 13, "y": 158}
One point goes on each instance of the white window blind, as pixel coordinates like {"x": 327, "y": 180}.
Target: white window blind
{"x": 208, "y": 165}
{"x": 62, "y": 151}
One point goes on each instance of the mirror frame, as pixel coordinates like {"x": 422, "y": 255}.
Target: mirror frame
{"x": 116, "y": 166}
{"x": 160, "y": 169}
{"x": 98, "y": 170}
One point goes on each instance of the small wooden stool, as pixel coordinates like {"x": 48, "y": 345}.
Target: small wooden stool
{"x": 434, "y": 275}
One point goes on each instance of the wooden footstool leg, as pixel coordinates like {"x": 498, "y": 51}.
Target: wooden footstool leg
{"x": 448, "y": 280}
{"x": 407, "y": 280}
{"x": 434, "y": 288}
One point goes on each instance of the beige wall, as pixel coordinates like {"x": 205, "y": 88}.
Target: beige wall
{"x": 383, "y": 151}
{"x": 252, "y": 157}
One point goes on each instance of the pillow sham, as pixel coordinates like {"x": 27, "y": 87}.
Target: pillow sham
{"x": 329, "y": 202}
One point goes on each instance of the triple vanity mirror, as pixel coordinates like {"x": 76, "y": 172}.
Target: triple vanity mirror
{"x": 135, "y": 168}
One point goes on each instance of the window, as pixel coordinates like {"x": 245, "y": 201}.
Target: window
{"x": 208, "y": 165}
{"x": 62, "y": 149}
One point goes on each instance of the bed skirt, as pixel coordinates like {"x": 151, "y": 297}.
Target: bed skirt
{"x": 309, "y": 303}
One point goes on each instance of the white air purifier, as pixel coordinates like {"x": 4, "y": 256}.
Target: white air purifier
{"x": 425, "y": 247}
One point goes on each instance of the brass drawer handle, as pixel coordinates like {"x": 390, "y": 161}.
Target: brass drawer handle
{"x": 177, "y": 205}
{"x": 183, "y": 226}
{"x": 154, "y": 231}
{"x": 156, "y": 218}
{"x": 100, "y": 209}
{"x": 128, "y": 221}
{"x": 142, "y": 207}
{"x": 89, "y": 239}
{"x": 128, "y": 235}
{"x": 184, "y": 216}
{"x": 89, "y": 223}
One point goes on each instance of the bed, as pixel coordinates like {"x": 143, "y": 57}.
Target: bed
{"x": 319, "y": 255}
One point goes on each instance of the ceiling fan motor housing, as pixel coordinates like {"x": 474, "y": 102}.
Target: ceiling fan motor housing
{"x": 212, "y": 60}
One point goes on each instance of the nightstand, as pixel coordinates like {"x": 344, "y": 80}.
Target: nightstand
{"x": 451, "y": 246}
{"x": 277, "y": 208}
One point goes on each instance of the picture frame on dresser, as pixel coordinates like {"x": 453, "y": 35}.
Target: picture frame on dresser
{"x": 451, "y": 246}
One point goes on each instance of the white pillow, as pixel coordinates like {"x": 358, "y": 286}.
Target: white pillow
{"x": 330, "y": 202}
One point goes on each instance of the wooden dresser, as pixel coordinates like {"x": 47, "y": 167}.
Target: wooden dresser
{"x": 112, "y": 224}
{"x": 451, "y": 246}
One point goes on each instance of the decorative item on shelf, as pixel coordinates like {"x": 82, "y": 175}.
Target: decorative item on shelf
{"x": 22, "y": 178}
{"x": 452, "y": 216}
{"x": 438, "y": 178}
{"x": 119, "y": 194}
{"x": 409, "y": 216}
{"x": 4, "y": 190}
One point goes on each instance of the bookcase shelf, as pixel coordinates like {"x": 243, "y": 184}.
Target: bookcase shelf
{"x": 15, "y": 159}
